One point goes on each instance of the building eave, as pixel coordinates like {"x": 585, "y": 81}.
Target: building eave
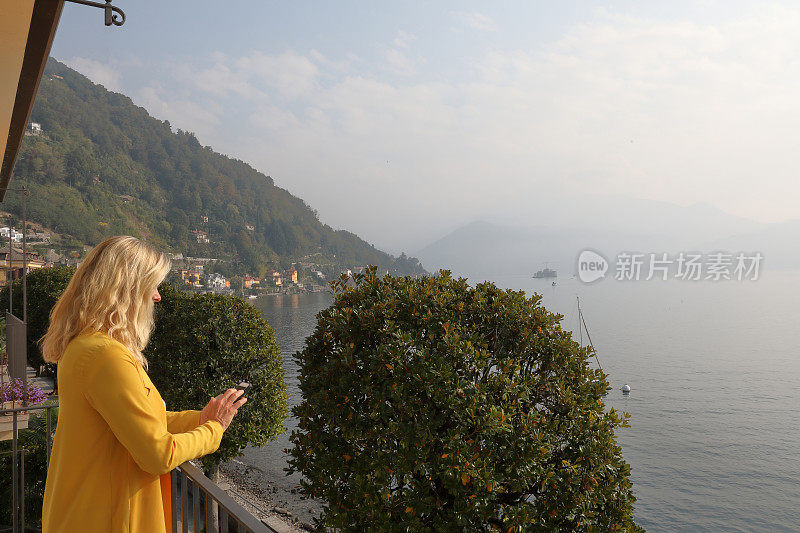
{"x": 23, "y": 66}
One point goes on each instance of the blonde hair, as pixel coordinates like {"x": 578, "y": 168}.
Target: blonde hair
{"x": 111, "y": 291}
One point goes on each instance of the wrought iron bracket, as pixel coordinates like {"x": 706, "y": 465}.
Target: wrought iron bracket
{"x": 111, "y": 11}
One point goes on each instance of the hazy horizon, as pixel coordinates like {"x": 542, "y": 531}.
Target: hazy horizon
{"x": 404, "y": 122}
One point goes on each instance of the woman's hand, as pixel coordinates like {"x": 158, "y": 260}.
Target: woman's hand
{"x": 223, "y": 408}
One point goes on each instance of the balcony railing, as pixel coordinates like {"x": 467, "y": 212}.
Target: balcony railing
{"x": 198, "y": 504}
{"x": 195, "y": 499}
{"x": 18, "y": 460}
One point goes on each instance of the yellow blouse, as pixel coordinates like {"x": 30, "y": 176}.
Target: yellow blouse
{"x": 113, "y": 440}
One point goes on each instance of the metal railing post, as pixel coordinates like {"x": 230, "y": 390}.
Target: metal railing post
{"x": 184, "y": 502}
{"x": 195, "y": 507}
{"x": 210, "y": 528}
{"x": 174, "y": 494}
{"x": 22, "y": 492}
{"x": 14, "y": 476}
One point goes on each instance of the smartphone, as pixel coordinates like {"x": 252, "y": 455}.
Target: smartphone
{"x": 243, "y": 386}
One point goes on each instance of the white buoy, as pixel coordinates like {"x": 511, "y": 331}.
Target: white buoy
{"x": 626, "y": 389}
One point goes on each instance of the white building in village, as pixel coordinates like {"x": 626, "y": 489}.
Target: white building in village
{"x": 16, "y": 236}
{"x": 218, "y": 281}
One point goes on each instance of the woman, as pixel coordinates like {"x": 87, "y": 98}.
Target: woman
{"x": 114, "y": 436}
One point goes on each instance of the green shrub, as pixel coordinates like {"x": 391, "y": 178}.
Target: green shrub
{"x": 430, "y": 405}
{"x": 45, "y": 286}
{"x": 203, "y": 344}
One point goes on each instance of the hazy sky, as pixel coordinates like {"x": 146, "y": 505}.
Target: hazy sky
{"x": 402, "y": 120}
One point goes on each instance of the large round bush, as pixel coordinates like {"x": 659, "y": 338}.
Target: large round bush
{"x": 430, "y": 405}
{"x": 205, "y": 343}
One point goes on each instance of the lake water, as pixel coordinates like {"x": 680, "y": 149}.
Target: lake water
{"x": 715, "y": 437}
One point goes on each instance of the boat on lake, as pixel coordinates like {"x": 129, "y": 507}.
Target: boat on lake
{"x": 545, "y": 273}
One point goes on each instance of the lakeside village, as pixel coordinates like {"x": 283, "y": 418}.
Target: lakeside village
{"x": 200, "y": 274}
{"x": 194, "y": 274}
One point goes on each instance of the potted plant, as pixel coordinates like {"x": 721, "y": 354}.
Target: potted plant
{"x": 15, "y": 394}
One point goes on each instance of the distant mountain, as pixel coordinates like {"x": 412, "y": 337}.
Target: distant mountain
{"x": 609, "y": 225}
{"x": 624, "y": 215}
{"x": 103, "y": 166}
{"x": 778, "y": 243}
{"x": 483, "y": 249}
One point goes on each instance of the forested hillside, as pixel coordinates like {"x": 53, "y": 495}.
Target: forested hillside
{"x": 103, "y": 166}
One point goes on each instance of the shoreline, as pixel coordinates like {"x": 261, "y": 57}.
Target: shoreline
{"x": 276, "y": 504}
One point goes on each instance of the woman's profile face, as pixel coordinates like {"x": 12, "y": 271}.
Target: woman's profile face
{"x": 156, "y": 296}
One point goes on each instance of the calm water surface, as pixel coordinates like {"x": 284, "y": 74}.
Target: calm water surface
{"x": 714, "y": 369}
